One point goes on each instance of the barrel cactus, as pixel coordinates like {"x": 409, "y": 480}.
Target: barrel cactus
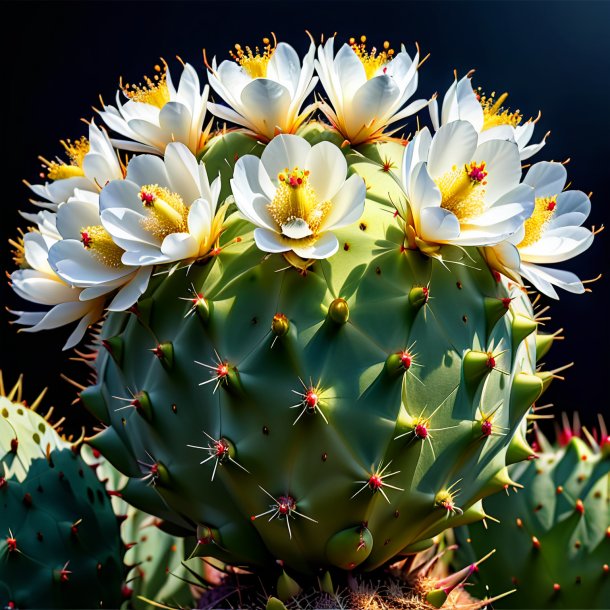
{"x": 553, "y": 537}
{"x": 60, "y": 542}
{"x": 316, "y": 351}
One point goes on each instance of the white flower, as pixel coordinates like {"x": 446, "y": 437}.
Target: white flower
{"x": 552, "y": 234}
{"x": 462, "y": 193}
{"x": 487, "y": 115}
{"x": 165, "y": 209}
{"x": 86, "y": 256}
{"x": 157, "y": 113}
{"x": 264, "y": 91}
{"x": 40, "y": 284}
{"x": 92, "y": 163}
{"x": 296, "y": 194}
{"x": 366, "y": 90}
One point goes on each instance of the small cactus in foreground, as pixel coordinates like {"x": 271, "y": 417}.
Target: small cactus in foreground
{"x": 553, "y": 539}
{"x": 59, "y": 539}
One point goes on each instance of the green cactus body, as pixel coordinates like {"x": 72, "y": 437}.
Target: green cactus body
{"x": 59, "y": 539}
{"x": 346, "y": 404}
{"x": 553, "y": 540}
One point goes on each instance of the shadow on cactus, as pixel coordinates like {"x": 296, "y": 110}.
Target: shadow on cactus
{"x": 317, "y": 349}
{"x": 59, "y": 538}
{"x": 553, "y": 539}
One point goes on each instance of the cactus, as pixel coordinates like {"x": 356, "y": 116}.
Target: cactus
{"x": 553, "y": 538}
{"x": 333, "y": 417}
{"x": 59, "y": 539}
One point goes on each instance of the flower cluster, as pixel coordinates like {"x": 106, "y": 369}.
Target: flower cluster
{"x": 117, "y": 210}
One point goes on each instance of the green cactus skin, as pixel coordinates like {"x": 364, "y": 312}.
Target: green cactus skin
{"x": 553, "y": 540}
{"x": 411, "y": 343}
{"x": 59, "y": 539}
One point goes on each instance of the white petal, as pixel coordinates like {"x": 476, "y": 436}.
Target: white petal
{"x": 423, "y": 191}
{"x": 179, "y": 246}
{"x": 183, "y": 172}
{"x": 325, "y": 246}
{"x": 200, "y": 218}
{"x": 74, "y": 215}
{"x": 284, "y": 151}
{"x": 41, "y": 288}
{"x": 453, "y": 144}
{"x": 349, "y": 71}
{"x": 372, "y": 102}
{"x": 266, "y": 105}
{"x": 175, "y": 120}
{"x": 543, "y": 277}
{"x": 285, "y": 67}
{"x": 503, "y": 167}
{"x": 269, "y": 241}
{"x": 131, "y": 292}
{"x": 518, "y": 203}
{"x": 328, "y": 169}
{"x": 438, "y": 225}
{"x": 296, "y": 228}
{"x": 126, "y": 229}
{"x": 547, "y": 178}
{"x": 147, "y": 169}
{"x": 347, "y": 204}
{"x": 250, "y": 185}
{"x": 37, "y": 252}
{"x": 415, "y": 152}
{"x": 558, "y": 245}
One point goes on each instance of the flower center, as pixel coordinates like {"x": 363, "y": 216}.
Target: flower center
{"x": 254, "y": 62}
{"x": 154, "y": 92}
{"x": 75, "y": 152}
{"x": 494, "y": 113}
{"x": 544, "y": 209}
{"x": 167, "y": 213}
{"x": 98, "y": 241}
{"x": 295, "y": 207}
{"x": 462, "y": 190}
{"x": 371, "y": 60}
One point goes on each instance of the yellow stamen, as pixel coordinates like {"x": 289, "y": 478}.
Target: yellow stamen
{"x": 544, "y": 209}
{"x": 462, "y": 190}
{"x": 75, "y": 152}
{"x": 98, "y": 241}
{"x": 295, "y": 207}
{"x": 494, "y": 113}
{"x": 167, "y": 212}
{"x": 154, "y": 92}
{"x": 372, "y": 60}
{"x": 18, "y": 251}
{"x": 254, "y": 62}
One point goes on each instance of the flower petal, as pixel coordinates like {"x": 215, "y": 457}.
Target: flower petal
{"x": 453, "y": 144}
{"x": 266, "y": 104}
{"x": 250, "y": 185}
{"x": 438, "y": 225}
{"x": 503, "y": 167}
{"x": 547, "y": 178}
{"x": 284, "y": 151}
{"x": 326, "y": 245}
{"x": 328, "y": 169}
{"x": 269, "y": 241}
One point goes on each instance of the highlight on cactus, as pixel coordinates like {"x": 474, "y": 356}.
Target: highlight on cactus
{"x": 315, "y": 346}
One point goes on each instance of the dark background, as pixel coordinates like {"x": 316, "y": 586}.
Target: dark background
{"x": 553, "y": 56}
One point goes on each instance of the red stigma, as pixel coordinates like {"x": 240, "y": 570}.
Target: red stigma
{"x": 375, "y": 482}
{"x": 311, "y": 399}
{"x": 421, "y": 431}
{"x": 486, "y": 428}
{"x": 11, "y": 543}
{"x": 147, "y": 198}
{"x": 85, "y": 239}
{"x": 476, "y": 172}
{"x": 406, "y": 360}
{"x": 551, "y": 206}
{"x": 293, "y": 181}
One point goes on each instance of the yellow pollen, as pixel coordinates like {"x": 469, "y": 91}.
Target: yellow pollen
{"x": 462, "y": 190}
{"x": 98, "y": 241}
{"x": 254, "y": 62}
{"x": 154, "y": 92}
{"x": 374, "y": 59}
{"x": 544, "y": 209}
{"x": 494, "y": 113}
{"x": 18, "y": 251}
{"x": 295, "y": 207}
{"x": 75, "y": 151}
{"x": 167, "y": 213}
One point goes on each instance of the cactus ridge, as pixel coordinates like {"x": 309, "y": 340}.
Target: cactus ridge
{"x": 362, "y": 406}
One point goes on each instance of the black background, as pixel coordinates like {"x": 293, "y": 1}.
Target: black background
{"x": 553, "y": 56}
